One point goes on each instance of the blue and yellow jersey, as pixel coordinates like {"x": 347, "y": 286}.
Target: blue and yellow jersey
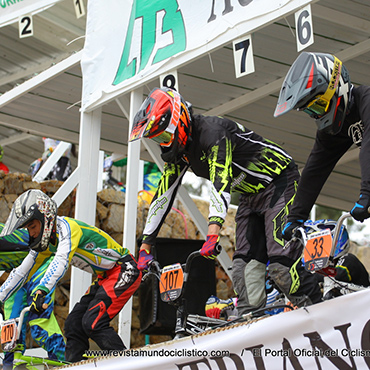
{"x": 78, "y": 244}
{"x": 13, "y": 249}
{"x": 83, "y": 246}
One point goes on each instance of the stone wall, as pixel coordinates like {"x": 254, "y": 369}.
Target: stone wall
{"x": 110, "y": 218}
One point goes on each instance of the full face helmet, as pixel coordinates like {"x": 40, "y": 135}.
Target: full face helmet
{"x": 319, "y": 85}
{"x": 165, "y": 118}
{"x": 33, "y": 205}
{"x": 342, "y": 246}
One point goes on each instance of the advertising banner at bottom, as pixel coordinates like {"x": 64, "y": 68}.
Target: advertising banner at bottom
{"x": 334, "y": 334}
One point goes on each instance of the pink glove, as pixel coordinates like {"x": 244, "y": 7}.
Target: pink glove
{"x": 144, "y": 258}
{"x": 211, "y": 248}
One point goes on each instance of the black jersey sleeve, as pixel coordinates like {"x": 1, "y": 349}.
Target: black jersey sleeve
{"x": 163, "y": 199}
{"x": 326, "y": 152}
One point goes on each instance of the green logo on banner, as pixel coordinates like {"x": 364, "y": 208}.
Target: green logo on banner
{"x": 148, "y": 12}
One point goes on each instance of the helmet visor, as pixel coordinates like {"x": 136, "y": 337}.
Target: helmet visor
{"x": 12, "y": 223}
{"x": 317, "y": 107}
{"x": 165, "y": 138}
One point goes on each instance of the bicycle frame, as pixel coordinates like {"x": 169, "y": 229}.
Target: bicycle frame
{"x": 186, "y": 324}
{"x": 10, "y": 333}
{"x": 324, "y": 264}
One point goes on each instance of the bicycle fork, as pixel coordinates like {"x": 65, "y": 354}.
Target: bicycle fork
{"x": 181, "y": 315}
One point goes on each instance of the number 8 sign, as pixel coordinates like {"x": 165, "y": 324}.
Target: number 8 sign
{"x": 303, "y": 26}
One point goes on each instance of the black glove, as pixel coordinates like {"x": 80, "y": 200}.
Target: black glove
{"x": 361, "y": 209}
{"x": 38, "y": 306}
{"x": 290, "y": 227}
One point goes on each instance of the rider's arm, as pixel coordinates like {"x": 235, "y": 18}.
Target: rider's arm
{"x": 69, "y": 235}
{"x": 362, "y": 99}
{"x": 326, "y": 152}
{"x": 18, "y": 276}
{"x": 220, "y": 172}
{"x": 162, "y": 201}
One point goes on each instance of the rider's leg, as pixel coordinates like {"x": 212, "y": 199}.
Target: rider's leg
{"x": 115, "y": 290}
{"x": 250, "y": 258}
{"x": 44, "y": 328}
{"x": 90, "y": 317}
{"x": 286, "y": 268}
{"x": 12, "y": 309}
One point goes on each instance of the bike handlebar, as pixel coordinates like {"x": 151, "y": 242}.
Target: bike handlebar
{"x": 336, "y": 231}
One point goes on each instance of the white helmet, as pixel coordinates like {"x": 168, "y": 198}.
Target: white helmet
{"x": 33, "y": 205}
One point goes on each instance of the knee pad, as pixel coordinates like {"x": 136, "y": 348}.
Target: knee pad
{"x": 286, "y": 278}
{"x": 254, "y": 275}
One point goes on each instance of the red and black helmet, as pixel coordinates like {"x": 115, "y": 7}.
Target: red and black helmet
{"x": 319, "y": 85}
{"x": 165, "y": 118}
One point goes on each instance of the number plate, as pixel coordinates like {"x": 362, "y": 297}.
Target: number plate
{"x": 170, "y": 285}
{"x": 8, "y": 334}
{"x": 317, "y": 250}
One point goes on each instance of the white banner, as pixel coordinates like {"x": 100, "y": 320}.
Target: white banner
{"x": 11, "y": 10}
{"x": 331, "y": 335}
{"x": 129, "y": 42}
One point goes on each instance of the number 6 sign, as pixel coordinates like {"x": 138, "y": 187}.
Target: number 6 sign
{"x": 303, "y": 26}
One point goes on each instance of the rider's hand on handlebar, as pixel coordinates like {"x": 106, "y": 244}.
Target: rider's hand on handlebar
{"x": 215, "y": 306}
{"x": 211, "y": 249}
{"x": 361, "y": 209}
{"x": 144, "y": 258}
{"x": 290, "y": 228}
{"x": 37, "y": 305}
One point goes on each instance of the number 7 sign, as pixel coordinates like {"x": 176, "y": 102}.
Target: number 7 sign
{"x": 243, "y": 56}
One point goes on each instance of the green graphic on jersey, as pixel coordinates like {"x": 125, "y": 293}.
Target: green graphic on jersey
{"x": 271, "y": 163}
{"x": 219, "y": 174}
{"x": 216, "y": 204}
{"x": 158, "y": 204}
{"x": 147, "y": 13}
{"x": 279, "y": 220}
{"x": 169, "y": 170}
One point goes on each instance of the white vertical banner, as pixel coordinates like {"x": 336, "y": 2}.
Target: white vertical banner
{"x": 304, "y": 29}
{"x": 243, "y": 56}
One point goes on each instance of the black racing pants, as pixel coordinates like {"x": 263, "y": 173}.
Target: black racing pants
{"x": 260, "y": 220}
{"x": 103, "y": 300}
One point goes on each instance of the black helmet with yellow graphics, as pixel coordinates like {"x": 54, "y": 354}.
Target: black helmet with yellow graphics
{"x": 319, "y": 85}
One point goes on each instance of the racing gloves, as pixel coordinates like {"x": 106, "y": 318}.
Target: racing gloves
{"x": 37, "y": 305}
{"x": 215, "y": 306}
{"x": 361, "y": 209}
{"x": 211, "y": 249}
{"x": 289, "y": 229}
{"x": 144, "y": 258}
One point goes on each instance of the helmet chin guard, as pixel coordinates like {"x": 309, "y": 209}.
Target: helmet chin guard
{"x": 33, "y": 205}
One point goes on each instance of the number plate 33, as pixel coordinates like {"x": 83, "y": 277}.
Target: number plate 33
{"x": 317, "y": 250}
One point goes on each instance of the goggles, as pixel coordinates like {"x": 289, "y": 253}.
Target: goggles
{"x": 320, "y": 105}
{"x": 317, "y": 107}
{"x": 165, "y": 138}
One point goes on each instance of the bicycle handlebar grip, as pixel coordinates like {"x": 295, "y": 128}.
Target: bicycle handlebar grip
{"x": 218, "y": 248}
